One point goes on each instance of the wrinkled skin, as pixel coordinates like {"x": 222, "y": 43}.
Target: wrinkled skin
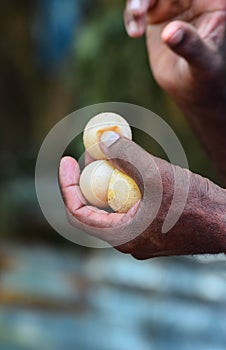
{"x": 180, "y": 68}
{"x": 190, "y": 67}
{"x": 188, "y": 236}
{"x": 193, "y": 69}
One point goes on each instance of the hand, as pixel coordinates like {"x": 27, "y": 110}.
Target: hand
{"x": 192, "y": 233}
{"x": 186, "y": 45}
{"x": 186, "y": 41}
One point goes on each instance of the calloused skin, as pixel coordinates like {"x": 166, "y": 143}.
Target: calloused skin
{"x": 189, "y": 65}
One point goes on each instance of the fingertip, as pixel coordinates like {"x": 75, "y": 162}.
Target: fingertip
{"x": 67, "y": 161}
{"x": 135, "y": 16}
{"x": 133, "y": 210}
{"x": 69, "y": 171}
{"x": 135, "y": 28}
{"x": 173, "y": 34}
{"x": 108, "y": 138}
{"x": 176, "y": 38}
{"x": 184, "y": 40}
{"x": 135, "y": 25}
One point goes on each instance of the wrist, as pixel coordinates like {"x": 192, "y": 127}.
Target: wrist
{"x": 205, "y": 217}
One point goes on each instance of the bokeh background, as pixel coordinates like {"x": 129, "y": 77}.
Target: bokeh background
{"x": 56, "y": 57}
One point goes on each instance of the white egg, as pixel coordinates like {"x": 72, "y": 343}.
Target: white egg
{"x": 97, "y": 126}
{"x": 102, "y": 186}
{"x": 123, "y": 192}
{"x": 94, "y": 182}
{"x": 101, "y": 183}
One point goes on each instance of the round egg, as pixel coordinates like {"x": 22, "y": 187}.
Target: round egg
{"x": 94, "y": 182}
{"x": 123, "y": 192}
{"x": 103, "y": 186}
{"x": 97, "y": 126}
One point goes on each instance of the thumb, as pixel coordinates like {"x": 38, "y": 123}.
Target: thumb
{"x": 185, "y": 41}
{"x": 127, "y": 156}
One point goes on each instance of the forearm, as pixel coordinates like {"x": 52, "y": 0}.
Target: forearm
{"x": 206, "y": 113}
{"x": 202, "y": 226}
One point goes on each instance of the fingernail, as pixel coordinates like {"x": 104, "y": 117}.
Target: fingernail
{"x": 176, "y": 38}
{"x": 135, "y": 5}
{"x": 133, "y": 28}
{"x": 109, "y": 137}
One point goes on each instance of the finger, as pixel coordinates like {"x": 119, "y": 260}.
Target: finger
{"x": 135, "y": 27}
{"x": 114, "y": 228}
{"x": 139, "y": 7}
{"x": 145, "y": 169}
{"x": 99, "y": 218}
{"x": 185, "y": 41}
{"x": 69, "y": 173}
{"x": 125, "y": 155}
{"x": 135, "y": 16}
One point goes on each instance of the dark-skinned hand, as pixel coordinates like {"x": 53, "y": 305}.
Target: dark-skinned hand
{"x": 187, "y": 49}
{"x": 192, "y": 234}
{"x": 185, "y": 41}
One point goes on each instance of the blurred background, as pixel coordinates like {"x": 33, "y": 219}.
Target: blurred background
{"x": 56, "y": 57}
